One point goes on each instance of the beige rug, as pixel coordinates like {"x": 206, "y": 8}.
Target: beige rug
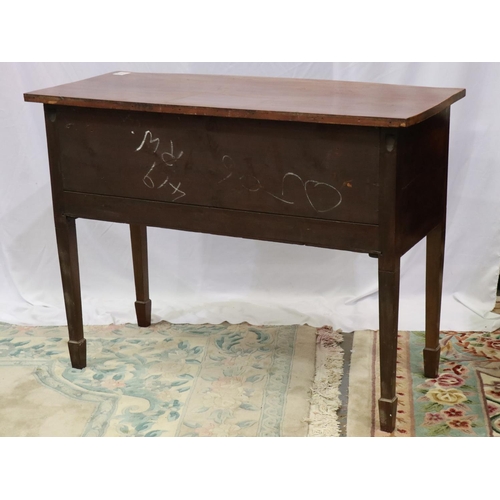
{"x": 171, "y": 380}
{"x": 364, "y": 387}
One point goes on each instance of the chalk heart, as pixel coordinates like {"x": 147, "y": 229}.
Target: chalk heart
{"x": 292, "y": 188}
{"x": 322, "y": 196}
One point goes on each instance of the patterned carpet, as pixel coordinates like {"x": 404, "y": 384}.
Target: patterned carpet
{"x": 171, "y": 380}
{"x": 241, "y": 380}
{"x": 463, "y": 401}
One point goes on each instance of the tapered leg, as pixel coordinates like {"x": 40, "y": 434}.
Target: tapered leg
{"x": 388, "y": 316}
{"x": 433, "y": 290}
{"x": 68, "y": 260}
{"x": 138, "y": 238}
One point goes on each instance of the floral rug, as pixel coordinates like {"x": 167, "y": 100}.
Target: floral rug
{"x": 170, "y": 380}
{"x": 463, "y": 401}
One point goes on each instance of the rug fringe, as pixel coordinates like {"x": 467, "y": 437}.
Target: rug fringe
{"x": 325, "y": 392}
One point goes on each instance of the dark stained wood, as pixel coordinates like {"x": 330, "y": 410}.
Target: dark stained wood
{"x": 435, "y": 251}
{"x": 67, "y": 249}
{"x": 413, "y": 182}
{"x": 138, "y": 237}
{"x": 433, "y": 290}
{"x": 388, "y": 196}
{"x": 421, "y": 179}
{"x": 304, "y": 169}
{"x": 388, "y": 278}
{"x": 321, "y": 101}
{"x": 70, "y": 275}
{"x": 225, "y": 222}
{"x": 356, "y": 166}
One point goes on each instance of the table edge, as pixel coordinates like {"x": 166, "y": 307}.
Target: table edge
{"x": 246, "y": 113}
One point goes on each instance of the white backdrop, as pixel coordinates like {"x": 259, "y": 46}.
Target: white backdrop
{"x": 202, "y": 278}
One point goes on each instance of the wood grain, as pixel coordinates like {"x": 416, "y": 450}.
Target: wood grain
{"x": 288, "y": 99}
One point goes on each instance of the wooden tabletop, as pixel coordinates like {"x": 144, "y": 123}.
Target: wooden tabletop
{"x": 287, "y": 99}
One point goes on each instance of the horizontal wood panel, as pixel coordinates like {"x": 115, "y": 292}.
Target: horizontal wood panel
{"x": 300, "y": 169}
{"x": 289, "y": 99}
{"x": 252, "y": 225}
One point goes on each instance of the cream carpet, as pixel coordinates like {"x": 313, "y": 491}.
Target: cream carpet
{"x": 171, "y": 380}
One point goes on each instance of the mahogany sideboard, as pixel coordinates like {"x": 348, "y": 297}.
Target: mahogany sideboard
{"x": 342, "y": 165}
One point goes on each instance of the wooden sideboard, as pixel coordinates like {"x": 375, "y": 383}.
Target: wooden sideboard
{"x": 342, "y": 165}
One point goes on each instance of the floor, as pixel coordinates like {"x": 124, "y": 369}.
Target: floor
{"x": 347, "y": 346}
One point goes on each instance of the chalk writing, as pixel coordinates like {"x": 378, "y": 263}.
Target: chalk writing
{"x": 321, "y": 196}
{"x": 243, "y": 176}
{"x": 313, "y": 184}
{"x": 309, "y": 185}
{"x": 330, "y": 198}
{"x": 149, "y": 136}
{"x": 169, "y": 158}
{"x": 228, "y": 163}
{"x": 177, "y": 190}
{"x": 159, "y": 174}
{"x": 147, "y": 179}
